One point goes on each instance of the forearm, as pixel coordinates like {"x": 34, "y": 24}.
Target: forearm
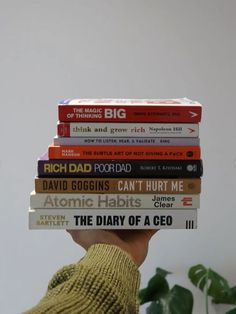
{"x": 104, "y": 281}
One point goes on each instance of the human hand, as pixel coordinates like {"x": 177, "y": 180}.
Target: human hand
{"x": 133, "y": 242}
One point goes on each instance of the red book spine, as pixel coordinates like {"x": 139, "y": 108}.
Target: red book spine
{"x": 130, "y": 113}
{"x": 124, "y": 152}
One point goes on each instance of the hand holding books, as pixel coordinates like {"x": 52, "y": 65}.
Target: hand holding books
{"x": 133, "y": 242}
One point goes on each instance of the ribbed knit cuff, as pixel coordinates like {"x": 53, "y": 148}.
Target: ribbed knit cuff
{"x": 118, "y": 263}
{"x": 111, "y": 268}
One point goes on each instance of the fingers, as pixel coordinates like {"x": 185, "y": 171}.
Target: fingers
{"x": 132, "y": 236}
{"x": 150, "y": 233}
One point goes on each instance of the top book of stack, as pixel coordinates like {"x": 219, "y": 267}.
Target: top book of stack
{"x": 180, "y": 110}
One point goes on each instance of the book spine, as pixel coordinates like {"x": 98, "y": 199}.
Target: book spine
{"x": 127, "y": 129}
{"x": 129, "y": 113}
{"x": 113, "y": 201}
{"x": 99, "y": 185}
{"x": 117, "y": 219}
{"x": 121, "y": 169}
{"x": 149, "y": 141}
{"x": 124, "y": 152}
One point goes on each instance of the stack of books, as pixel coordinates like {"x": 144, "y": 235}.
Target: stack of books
{"x": 120, "y": 164}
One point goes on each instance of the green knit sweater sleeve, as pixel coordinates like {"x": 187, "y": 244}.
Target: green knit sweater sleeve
{"x": 105, "y": 281}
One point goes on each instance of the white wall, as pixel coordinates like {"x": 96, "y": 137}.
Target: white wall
{"x": 106, "y": 48}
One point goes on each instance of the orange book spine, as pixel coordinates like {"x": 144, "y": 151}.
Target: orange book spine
{"x": 124, "y": 152}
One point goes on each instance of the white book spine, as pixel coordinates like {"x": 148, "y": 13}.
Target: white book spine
{"x": 134, "y": 129}
{"x": 115, "y": 219}
{"x": 113, "y": 201}
{"x": 132, "y": 141}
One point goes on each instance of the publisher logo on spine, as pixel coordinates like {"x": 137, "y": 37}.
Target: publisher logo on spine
{"x": 189, "y": 153}
{"x": 187, "y": 201}
{"x": 192, "y": 168}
